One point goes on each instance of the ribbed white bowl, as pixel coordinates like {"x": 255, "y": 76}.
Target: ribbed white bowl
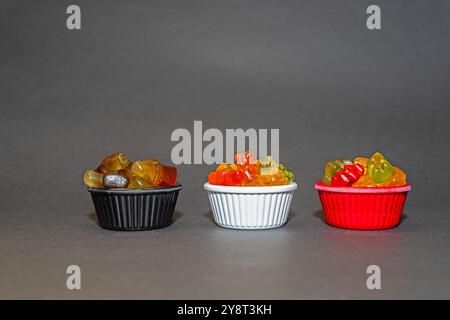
{"x": 250, "y": 207}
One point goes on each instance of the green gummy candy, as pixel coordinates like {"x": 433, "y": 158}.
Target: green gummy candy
{"x": 379, "y": 169}
{"x": 287, "y": 174}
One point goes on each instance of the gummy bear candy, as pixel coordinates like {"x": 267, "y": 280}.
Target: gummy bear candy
{"x": 226, "y": 167}
{"x": 269, "y": 166}
{"x": 126, "y": 172}
{"x": 148, "y": 170}
{"x": 252, "y": 171}
{"x": 379, "y": 173}
{"x": 117, "y": 171}
{"x": 379, "y": 169}
{"x": 249, "y": 172}
{"x": 269, "y": 180}
{"x": 332, "y": 167}
{"x": 399, "y": 178}
{"x": 93, "y": 179}
{"x": 154, "y": 173}
{"x": 234, "y": 174}
{"x": 348, "y": 175}
{"x": 365, "y": 181}
{"x": 244, "y": 159}
{"x": 114, "y": 162}
{"x": 213, "y": 177}
{"x": 362, "y": 161}
{"x": 273, "y": 173}
{"x": 226, "y": 177}
{"x": 375, "y": 171}
{"x": 169, "y": 176}
{"x": 287, "y": 174}
{"x": 138, "y": 183}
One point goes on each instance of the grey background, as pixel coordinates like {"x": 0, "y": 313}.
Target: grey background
{"x": 140, "y": 69}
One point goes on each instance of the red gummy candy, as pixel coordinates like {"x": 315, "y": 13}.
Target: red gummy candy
{"x": 212, "y": 177}
{"x": 227, "y": 177}
{"x": 348, "y": 175}
{"x": 251, "y": 172}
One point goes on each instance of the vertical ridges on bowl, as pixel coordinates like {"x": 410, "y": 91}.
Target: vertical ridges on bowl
{"x": 138, "y": 211}
{"x": 371, "y": 211}
{"x": 250, "y": 211}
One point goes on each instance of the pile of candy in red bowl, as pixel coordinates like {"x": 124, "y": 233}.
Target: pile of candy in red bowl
{"x": 364, "y": 194}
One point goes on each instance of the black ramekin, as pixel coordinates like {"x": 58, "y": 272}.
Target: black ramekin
{"x": 134, "y": 210}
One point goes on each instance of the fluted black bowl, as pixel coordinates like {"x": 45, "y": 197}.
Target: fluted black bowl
{"x": 135, "y": 210}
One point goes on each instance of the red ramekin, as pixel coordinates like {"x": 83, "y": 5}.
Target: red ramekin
{"x": 362, "y": 208}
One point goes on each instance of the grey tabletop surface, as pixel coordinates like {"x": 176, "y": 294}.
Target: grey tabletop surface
{"x": 137, "y": 70}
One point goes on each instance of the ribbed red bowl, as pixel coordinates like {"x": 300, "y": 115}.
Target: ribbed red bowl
{"x": 362, "y": 208}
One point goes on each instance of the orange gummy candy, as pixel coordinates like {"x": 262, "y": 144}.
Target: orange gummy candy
{"x": 155, "y": 173}
{"x": 93, "y": 179}
{"x": 114, "y": 162}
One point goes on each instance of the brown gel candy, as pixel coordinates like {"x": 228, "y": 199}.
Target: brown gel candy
{"x": 155, "y": 173}
{"x": 114, "y": 162}
{"x": 138, "y": 183}
{"x": 93, "y": 179}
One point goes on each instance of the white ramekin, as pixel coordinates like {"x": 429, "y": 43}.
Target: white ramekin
{"x": 250, "y": 207}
